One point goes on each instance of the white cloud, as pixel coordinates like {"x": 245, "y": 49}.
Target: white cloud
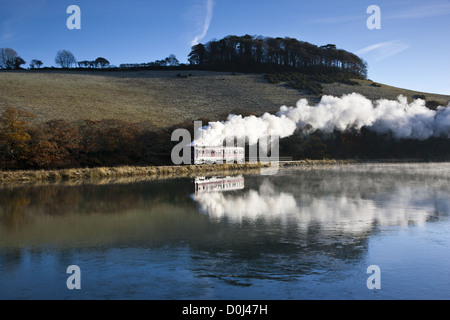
{"x": 208, "y": 18}
{"x": 336, "y": 19}
{"x": 383, "y": 50}
{"x": 411, "y": 12}
{"x": 425, "y": 11}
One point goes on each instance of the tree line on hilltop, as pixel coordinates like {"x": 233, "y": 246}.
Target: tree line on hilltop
{"x": 10, "y": 60}
{"x": 232, "y": 53}
{"x": 266, "y": 54}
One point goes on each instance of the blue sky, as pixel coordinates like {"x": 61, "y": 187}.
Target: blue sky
{"x": 411, "y": 50}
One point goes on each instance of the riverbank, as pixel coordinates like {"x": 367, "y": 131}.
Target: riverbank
{"x": 151, "y": 172}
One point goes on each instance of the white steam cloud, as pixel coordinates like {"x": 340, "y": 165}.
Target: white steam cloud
{"x": 353, "y": 111}
{"x": 209, "y": 14}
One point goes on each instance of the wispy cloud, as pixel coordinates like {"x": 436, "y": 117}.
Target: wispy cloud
{"x": 208, "y": 18}
{"x": 336, "y": 19}
{"x": 383, "y": 50}
{"x": 8, "y": 27}
{"x": 6, "y": 36}
{"x": 14, "y": 14}
{"x": 428, "y": 10}
{"x": 5, "y": 31}
{"x": 425, "y": 11}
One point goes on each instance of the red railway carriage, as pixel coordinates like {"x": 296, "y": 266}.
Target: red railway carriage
{"x": 211, "y": 155}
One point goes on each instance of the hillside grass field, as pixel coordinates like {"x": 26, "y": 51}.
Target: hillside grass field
{"x": 160, "y": 99}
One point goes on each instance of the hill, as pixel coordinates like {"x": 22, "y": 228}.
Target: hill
{"x": 159, "y": 99}
{"x": 98, "y": 118}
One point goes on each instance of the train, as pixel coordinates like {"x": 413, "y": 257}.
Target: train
{"x": 217, "y": 155}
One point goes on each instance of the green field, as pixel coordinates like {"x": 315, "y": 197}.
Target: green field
{"x": 158, "y": 99}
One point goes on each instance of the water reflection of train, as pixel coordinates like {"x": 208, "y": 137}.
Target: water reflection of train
{"x": 217, "y": 184}
{"x": 211, "y": 155}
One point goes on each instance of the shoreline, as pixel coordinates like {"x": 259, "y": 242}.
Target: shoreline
{"x": 105, "y": 175}
{"x": 151, "y": 172}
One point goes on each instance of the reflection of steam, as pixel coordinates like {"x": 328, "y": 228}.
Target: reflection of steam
{"x": 251, "y": 205}
{"x": 352, "y": 214}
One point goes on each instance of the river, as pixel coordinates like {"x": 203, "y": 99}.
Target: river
{"x": 307, "y": 233}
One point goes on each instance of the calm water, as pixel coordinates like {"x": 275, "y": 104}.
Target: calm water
{"x": 301, "y": 234}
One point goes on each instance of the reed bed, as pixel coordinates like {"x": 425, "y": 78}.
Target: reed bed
{"x": 153, "y": 172}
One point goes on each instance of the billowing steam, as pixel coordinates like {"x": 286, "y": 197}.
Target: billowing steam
{"x": 353, "y": 111}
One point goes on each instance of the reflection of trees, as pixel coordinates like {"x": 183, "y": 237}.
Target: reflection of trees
{"x": 31, "y": 202}
{"x": 13, "y": 211}
{"x": 21, "y": 205}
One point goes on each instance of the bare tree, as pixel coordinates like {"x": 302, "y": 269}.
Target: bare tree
{"x": 36, "y": 63}
{"x": 8, "y": 58}
{"x": 65, "y": 59}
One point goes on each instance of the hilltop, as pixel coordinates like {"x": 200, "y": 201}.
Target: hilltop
{"x": 159, "y": 99}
